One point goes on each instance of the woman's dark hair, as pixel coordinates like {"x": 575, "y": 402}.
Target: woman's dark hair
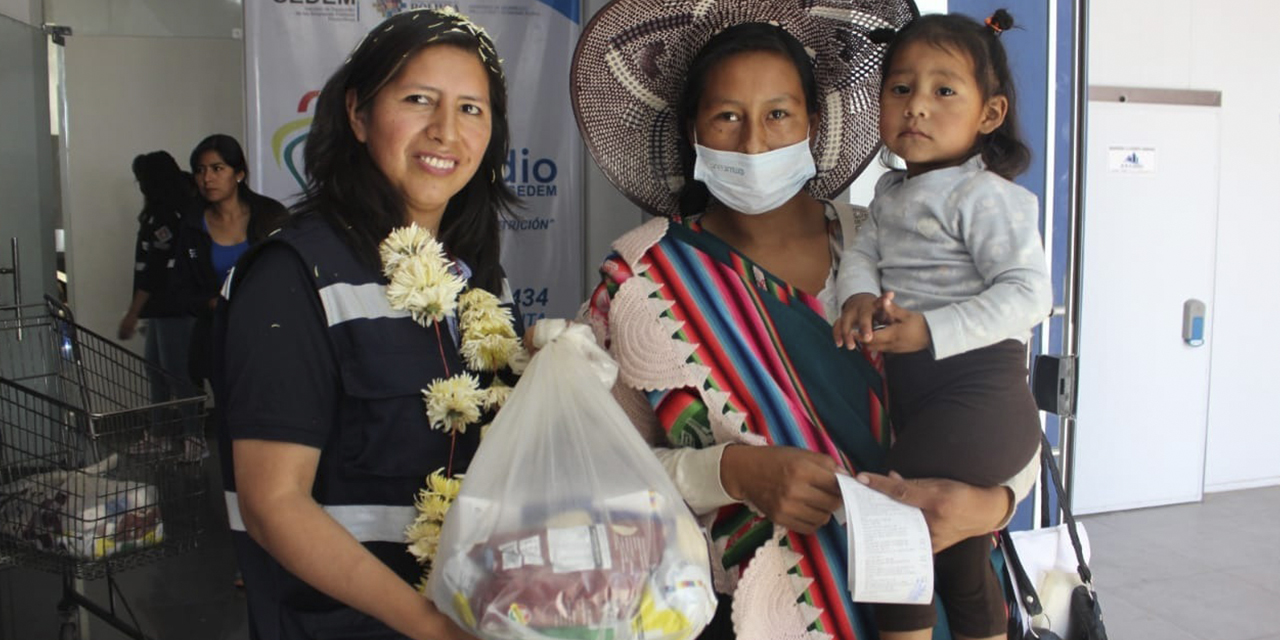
{"x": 233, "y": 155}
{"x": 163, "y": 184}
{"x": 740, "y": 38}
{"x": 1002, "y": 150}
{"x": 346, "y": 188}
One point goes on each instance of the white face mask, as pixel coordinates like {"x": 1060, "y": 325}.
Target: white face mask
{"x": 753, "y": 183}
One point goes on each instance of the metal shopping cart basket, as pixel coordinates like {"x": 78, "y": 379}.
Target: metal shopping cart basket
{"x": 89, "y": 484}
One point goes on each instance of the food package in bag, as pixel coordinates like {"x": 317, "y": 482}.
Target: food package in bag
{"x": 567, "y": 526}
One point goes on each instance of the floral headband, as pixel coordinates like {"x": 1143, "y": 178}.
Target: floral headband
{"x": 441, "y": 21}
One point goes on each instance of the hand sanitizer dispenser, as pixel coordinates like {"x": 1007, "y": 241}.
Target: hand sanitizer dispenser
{"x": 1193, "y": 322}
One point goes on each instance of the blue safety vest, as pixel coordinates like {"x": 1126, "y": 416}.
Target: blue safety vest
{"x": 382, "y": 448}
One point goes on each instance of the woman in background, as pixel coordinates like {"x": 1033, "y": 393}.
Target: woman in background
{"x": 167, "y": 195}
{"x": 233, "y": 218}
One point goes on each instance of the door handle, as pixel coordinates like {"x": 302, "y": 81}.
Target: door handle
{"x": 15, "y": 271}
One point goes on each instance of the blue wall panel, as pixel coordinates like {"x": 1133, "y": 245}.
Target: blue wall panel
{"x": 1028, "y": 46}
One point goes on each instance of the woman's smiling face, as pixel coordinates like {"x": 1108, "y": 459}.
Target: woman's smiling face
{"x": 428, "y": 128}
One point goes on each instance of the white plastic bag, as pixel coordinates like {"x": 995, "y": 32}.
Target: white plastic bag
{"x": 1050, "y": 562}
{"x": 567, "y": 526}
{"x": 82, "y": 512}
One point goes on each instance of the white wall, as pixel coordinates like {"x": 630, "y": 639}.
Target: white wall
{"x": 158, "y": 18}
{"x": 27, "y": 11}
{"x": 128, "y": 96}
{"x": 1230, "y": 46}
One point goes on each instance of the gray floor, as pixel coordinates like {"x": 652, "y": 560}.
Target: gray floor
{"x": 1207, "y": 571}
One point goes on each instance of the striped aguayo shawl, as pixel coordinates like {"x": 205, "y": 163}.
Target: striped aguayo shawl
{"x": 769, "y": 346}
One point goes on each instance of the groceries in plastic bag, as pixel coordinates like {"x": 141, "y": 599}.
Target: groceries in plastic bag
{"x": 567, "y": 526}
{"x": 81, "y": 512}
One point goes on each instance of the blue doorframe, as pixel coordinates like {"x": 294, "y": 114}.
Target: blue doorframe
{"x": 1036, "y": 42}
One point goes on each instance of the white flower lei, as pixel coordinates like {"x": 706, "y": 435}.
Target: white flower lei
{"x": 423, "y": 283}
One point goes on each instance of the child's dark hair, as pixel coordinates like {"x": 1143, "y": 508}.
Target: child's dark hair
{"x": 1002, "y": 150}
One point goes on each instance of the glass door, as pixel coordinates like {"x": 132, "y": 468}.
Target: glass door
{"x": 28, "y": 178}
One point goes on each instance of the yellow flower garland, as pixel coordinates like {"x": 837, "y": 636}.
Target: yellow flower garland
{"x": 422, "y": 282}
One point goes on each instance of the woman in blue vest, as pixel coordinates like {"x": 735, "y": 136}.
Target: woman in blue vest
{"x": 319, "y": 378}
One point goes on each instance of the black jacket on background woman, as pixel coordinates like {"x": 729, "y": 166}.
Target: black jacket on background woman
{"x": 197, "y": 284}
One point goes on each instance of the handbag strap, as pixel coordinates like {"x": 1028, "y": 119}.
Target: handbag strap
{"x": 1027, "y": 590}
{"x": 1051, "y": 466}
{"x": 1031, "y": 599}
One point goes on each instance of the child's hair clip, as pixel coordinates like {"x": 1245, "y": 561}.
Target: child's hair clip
{"x": 999, "y": 22}
{"x": 882, "y": 35}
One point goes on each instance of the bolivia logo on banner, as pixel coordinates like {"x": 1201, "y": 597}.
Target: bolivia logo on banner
{"x": 293, "y": 46}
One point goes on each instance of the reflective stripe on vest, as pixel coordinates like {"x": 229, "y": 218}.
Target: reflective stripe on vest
{"x": 366, "y": 522}
{"x": 344, "y": 302}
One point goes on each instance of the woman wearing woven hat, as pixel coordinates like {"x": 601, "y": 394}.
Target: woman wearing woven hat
{"x": 735, "y": 122}
{"x": 326, "y": 349}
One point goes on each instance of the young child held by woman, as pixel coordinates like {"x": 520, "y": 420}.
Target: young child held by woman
{"x": 947, "y": 278}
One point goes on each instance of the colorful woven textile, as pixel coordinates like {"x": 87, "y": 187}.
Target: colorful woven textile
{"x": 774, "y": 377}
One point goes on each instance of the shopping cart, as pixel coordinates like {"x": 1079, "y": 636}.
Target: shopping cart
{"x": 93, "y": 475}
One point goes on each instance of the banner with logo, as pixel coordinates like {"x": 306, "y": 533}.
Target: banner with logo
{"x": 293, "y": 46}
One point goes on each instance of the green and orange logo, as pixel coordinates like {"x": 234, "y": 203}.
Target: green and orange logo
{"x": 287, "y": 141}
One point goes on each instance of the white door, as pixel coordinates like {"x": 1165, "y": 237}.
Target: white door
{"x": 1149, "y": 240}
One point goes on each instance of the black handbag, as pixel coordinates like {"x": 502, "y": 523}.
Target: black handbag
{"x": 1085, "y": 612}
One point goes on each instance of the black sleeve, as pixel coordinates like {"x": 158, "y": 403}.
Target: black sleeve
{"x": 142, "y": 276}
{"x": 265, "y": 217}
{"x": 282, "y": 382}
{"x": 191, "y": 279}
{"x": 182, "y": 275}
{"x": 157, "y": 241}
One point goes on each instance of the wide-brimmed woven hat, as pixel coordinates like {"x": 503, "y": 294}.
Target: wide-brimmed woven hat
{"x": 630, "y": 66}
